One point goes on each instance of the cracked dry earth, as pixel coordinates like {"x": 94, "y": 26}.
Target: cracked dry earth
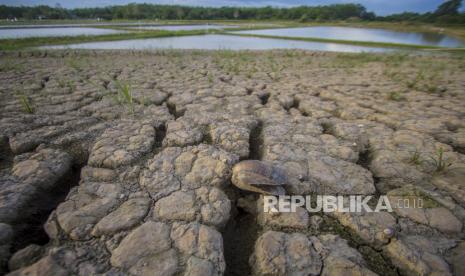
{"x": 92, "y": 184}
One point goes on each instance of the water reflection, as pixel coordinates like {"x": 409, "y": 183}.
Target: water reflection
{"x": 216, "y": 42}
{"x": 183, "y": 27}
{"x": 45, "y": 32}
{"x": 364, "y": 34}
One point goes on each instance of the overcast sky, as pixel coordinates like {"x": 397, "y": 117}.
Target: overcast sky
{"x": 381, "y": 7}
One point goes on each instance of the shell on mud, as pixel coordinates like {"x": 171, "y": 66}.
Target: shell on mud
{"x": 389, "y": 232}
{"x": 260, "y": 177}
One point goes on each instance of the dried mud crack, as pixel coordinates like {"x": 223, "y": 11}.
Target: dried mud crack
{"x": 239, "y": 238}
{"x": 30, "y": 229}
{"x": 120, "y": 162}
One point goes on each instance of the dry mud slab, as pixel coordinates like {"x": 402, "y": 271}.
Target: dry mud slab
{"x": 120, "y": 163}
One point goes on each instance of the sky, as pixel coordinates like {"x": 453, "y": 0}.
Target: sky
{"x": 380, "y": 7}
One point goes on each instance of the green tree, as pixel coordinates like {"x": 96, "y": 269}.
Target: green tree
{"x": 450, "y": 7}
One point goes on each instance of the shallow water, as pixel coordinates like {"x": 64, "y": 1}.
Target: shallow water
{"x": 218, "y": 42}
{"x": 364, "y": 34}
{"x": 59, "y": 31}
{"x": 183, "y": 27}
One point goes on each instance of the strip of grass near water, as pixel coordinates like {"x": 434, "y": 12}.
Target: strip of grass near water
{"x": 17, "y": 44}
{"x": 352, "y": 42}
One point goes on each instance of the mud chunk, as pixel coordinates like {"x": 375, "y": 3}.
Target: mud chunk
{"x": 234, "y": 139}
{"x": 42, "y": 168}
{"x": 122, "y": 144}
{"x": 201, "y": 241}
{"x": 149, "y": 239}
{"x": 298, "y": 219}
{"x": 187, "y": 168}
{"x": 419, "y": 255}
{"x": 278, "y": 253}
{"x": 452, "y": 181}
{"x": 368, "y": 226}
{"x": 339, "y": 258}
{"x": 161, "y": 264}
{"x": 32, "y": 177}
{"x": 334, "y": 176}
{"x": 182, "y": 133}
{"x": 177, "y": 206}
{"x": 25, "y": 257}
{"x": 123, "y": 218}
{"x": 430, "y": 212}
{"x": 86, "y": 206}
{"x": 45, "y": 266}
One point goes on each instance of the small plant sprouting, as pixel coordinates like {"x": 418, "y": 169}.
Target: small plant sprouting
{"x": 414, "y": 83}
{"x": 26, "y": 104}
{"x": 439, "y": 162}
{"x": 396, "y": 96}
{"x": 416, "y": 159}
{"x": 431, "y": 88}
{"x": 67, "y": 84}
{"x": 125, "y": 96}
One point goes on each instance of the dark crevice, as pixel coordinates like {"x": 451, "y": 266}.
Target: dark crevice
{"x": 375, "y": 260}
{"x": 264, "y": 98}
{"x": 364, "y": 159}
{"x": 105, "y": 84}
{"x": 172, "y": 109}
{"x": 304, "y": 113}
{"x": 295, "y": 104}
{"x": 45, "y": 79}
{"x": 160, "y": 136}
{"x": 6, "y": 155}
{"x": 30, "y": 229}
{"x": 239, "y": 238}
{"x": 460, "y": 150}
{"x": 326, "y": 128}
{"x": 256, "y": 142}
{"x": 207, "y": 138}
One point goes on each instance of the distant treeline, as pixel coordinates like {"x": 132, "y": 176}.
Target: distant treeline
{"x": 446, "y": 13}
{"x": 163, "y": 12}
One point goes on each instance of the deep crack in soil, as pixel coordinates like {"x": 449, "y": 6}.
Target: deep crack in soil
{"x": 239, "y": 238}
{"x": 30, "y": 230}
{"x": 255, "y": 142}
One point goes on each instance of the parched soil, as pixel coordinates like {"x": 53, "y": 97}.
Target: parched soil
{"x": 143, "y": 145}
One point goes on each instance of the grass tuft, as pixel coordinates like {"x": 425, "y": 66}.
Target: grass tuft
{"x": 396, "y": 96}
{"x": 416, "y": 158}
{"x": 26, "y": 104}
{"x": 439, "y": 162}
{"x": 125, "y": 96}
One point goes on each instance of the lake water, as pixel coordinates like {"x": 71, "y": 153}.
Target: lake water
{"x": 364, "y": 34}
{"x": 183, "y": 27}
{"x": 59, "y": 31}
{"x": 218, "y": 42}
